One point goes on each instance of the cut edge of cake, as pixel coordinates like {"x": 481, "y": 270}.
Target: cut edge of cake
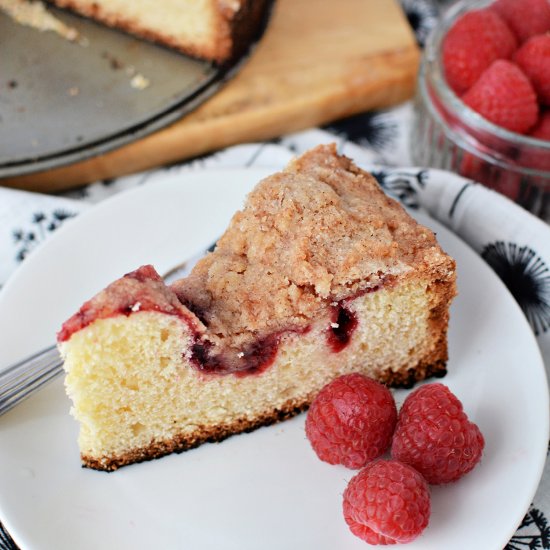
{"x": 151, "y": 372}
{"x": 228, "y": 26}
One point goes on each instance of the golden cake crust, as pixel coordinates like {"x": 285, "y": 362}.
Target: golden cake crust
{"x": 202, "y": 434}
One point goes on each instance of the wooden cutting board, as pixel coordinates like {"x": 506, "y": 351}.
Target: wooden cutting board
{"x": 318, "y": 61}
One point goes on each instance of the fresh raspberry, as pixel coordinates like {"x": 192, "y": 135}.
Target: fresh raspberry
{"x": 504, "y": 95}
{"x": 351, "y": 421}
{"x": 494, "y": 177}
{"x": 533, "y": 59}
{"x": 476, "y": 40}
{"x": 538, "y": 158}
{"x": 387, "y": 502}
{"x": 542, "y": 129}
{"x": 526, "y": 18}
{"x": 434, "y": 435}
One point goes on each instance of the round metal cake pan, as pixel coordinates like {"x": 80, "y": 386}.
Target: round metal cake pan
{"x": 62, "y": 102}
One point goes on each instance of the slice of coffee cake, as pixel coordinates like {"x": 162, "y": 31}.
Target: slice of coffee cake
{"x": 319, "y": 275}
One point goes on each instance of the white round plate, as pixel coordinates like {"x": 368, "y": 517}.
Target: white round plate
{"x": 266, "y": 489}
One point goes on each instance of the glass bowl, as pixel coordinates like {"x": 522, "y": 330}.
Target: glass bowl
{"x": 447, "y": 134}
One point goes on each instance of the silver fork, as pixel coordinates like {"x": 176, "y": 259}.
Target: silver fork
{"x": 24, "y": 378}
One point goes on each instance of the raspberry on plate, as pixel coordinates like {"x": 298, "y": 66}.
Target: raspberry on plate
{"x": 534, "y": 60}
{"x": 387, "y": 502}
{"x": 526, "y": 18}
{"x": 435, "y": 437}
{"x": 351, "y": 421}
{"x": 476, "y": 40}
{"x": 504, "y": 95}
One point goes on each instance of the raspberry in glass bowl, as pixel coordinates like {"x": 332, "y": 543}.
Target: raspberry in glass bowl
{"x": 481, "y": 108}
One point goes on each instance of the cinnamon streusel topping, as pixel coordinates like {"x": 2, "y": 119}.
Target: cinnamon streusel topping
{"x": 317, "y": 232}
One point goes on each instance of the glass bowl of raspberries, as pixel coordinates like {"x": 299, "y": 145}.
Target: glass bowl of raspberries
{"x": 482, "y": 108}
